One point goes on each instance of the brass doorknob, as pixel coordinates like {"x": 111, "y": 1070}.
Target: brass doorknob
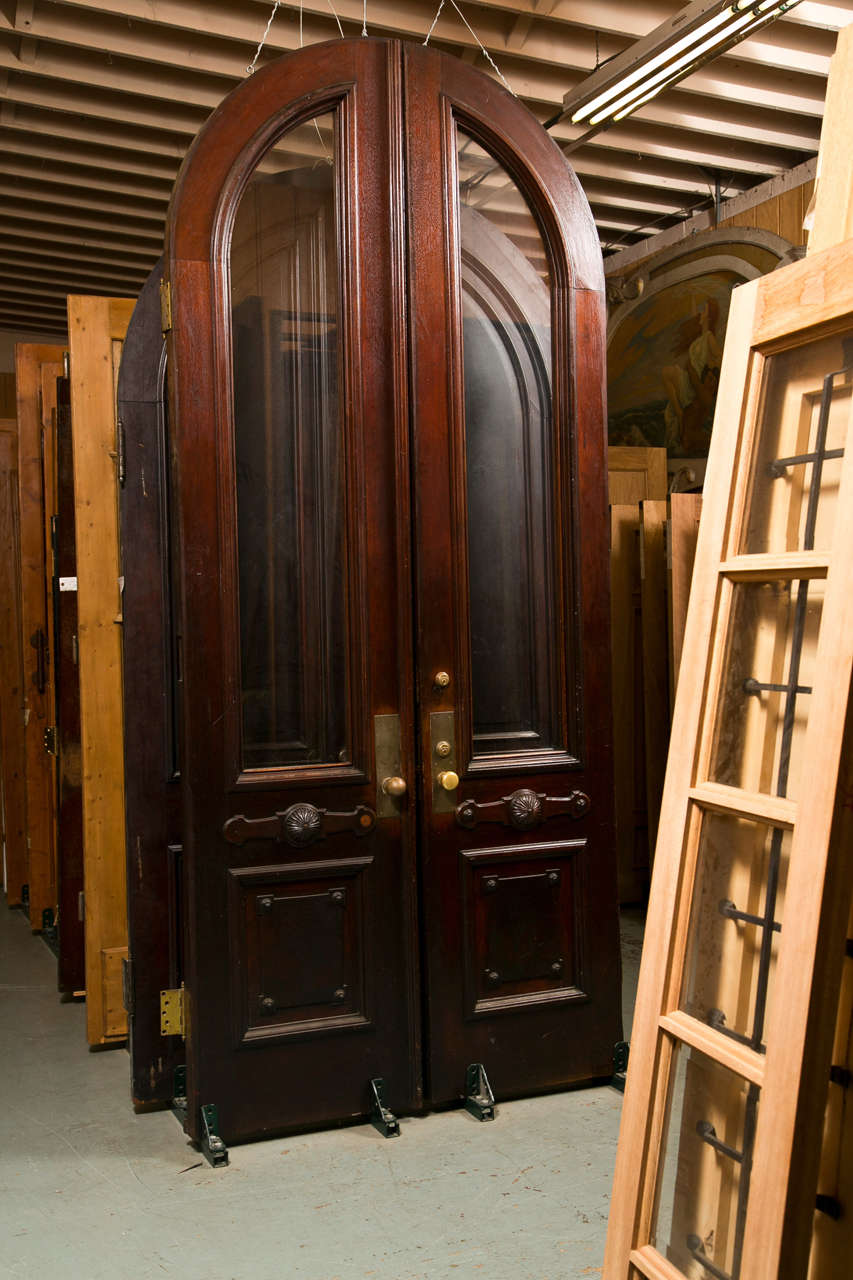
{"x": 394, "y": 786}
{"x": 448, "y": 780}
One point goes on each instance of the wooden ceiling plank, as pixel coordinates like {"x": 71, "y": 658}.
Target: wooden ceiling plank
{"x": 25, "y": 269}
{"x": 24, "y": 225}
{"x": 44, "y": 147}
{"x": 56, "y": 122}
{"x": 141, "y": 221}
{"x": 207, "y": 57}
{"x": 565, "y": 32}
{"x": 58, "y": 177}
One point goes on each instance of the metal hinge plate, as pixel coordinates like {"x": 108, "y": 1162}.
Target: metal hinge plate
{"x": 50, "y": 740}
{"x": 172, "y": 1018}
{"x": 165, "y": 306}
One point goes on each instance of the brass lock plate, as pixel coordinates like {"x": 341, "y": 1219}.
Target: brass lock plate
{"x": 442, "y": 738}
{"x": 386, "y": 730}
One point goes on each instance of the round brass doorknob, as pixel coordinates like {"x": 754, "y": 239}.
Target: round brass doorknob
{"x": 394, "y": 786}
{"x": 448, "y": 780}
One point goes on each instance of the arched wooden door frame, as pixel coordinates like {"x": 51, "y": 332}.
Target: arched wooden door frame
{"x": 415, "y": 389}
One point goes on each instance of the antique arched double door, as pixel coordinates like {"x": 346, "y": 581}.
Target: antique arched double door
{"x": 387, "y": 398}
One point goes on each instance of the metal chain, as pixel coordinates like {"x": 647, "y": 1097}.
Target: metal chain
{"x": 251, "y": 67}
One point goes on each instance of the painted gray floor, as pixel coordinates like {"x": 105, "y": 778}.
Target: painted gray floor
{"x": 88, "y": 1189}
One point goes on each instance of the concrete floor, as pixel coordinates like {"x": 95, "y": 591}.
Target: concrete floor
{"x": 88, "y": 1189}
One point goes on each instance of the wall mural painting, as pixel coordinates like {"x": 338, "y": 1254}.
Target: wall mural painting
{"x": 664, "y": 366}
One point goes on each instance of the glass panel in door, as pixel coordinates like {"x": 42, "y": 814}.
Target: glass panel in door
{"x": 285, "y": 292}
{"x": 509, "y": 455}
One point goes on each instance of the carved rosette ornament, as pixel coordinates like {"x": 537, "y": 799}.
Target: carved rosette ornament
{"x": 301, "y": 825}
{"x": 525, "y": 809}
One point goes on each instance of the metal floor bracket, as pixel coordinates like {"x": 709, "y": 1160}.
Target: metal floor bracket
{"x": 479, "y": 1099}
{"x": 620, "y": 1064}
{"x": 179, "y": 1094}
{"x": 380, "y": 1117}
{"x": 212, "y": 1147}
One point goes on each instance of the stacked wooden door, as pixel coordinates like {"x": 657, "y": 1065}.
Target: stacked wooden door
{"x": 391, "y": 478}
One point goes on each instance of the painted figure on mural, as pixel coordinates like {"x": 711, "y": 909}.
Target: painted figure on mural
{"x": 663, "y": 366}
{"x": 691, "y": 383}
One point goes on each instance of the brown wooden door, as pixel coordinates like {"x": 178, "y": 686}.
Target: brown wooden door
{"x": 71, "y": 966}
{"x": 13, "y": 792}
{"x": 385, "y": 283}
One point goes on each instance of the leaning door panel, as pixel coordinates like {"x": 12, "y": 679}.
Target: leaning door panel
{"x": 299, "y": 882}
{"x": 521, "y": 952}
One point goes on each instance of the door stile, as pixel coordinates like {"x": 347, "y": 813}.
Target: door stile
{"x": 275, "y": 1078}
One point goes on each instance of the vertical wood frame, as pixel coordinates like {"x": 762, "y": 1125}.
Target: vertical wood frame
{"x": 784, "y": 309}
{"x": 12, "y": 739}
{"x": 96, "y": 328}
{"x": 41, "y": 799}
{"x": 152, "y": 791}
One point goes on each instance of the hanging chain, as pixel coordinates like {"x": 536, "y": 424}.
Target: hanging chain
{"x": 483, "y": 48}
{"x": 263, "y": 40}
{"x": 276, "y": 5}
{"x": 364, "y": 17}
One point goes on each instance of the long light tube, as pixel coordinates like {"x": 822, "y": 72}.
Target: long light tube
{"x": 640, "y": 72}
{"x": 670, "y": 56}
{"x": 670, "y": 69}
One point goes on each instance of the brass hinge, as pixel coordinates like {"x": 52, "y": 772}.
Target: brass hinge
{"x": 50, "y": 740}
{"x": 172, "y": 1012}
{"x": 165, "y": 306}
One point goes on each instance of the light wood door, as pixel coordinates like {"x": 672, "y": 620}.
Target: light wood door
{"x": 636, "y": 476}
{"x": 717, "y": 1164}
{"x": 96, "y": 329}
{"x": 35, "y": 416}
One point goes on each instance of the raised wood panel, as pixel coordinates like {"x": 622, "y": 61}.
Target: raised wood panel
{"x": 41, "y": 801}
{"x": 96, "y": 326}
{"x": 12, "y": 743}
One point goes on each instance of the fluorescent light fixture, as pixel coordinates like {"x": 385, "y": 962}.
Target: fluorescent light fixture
{"x": 693, "y": 36}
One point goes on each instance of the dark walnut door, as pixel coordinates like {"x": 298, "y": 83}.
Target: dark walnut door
{"x": 387, "y": 381}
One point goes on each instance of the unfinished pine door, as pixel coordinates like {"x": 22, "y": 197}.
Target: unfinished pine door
{"x": 96, "y": 329}
{"x": 387, "y": 401}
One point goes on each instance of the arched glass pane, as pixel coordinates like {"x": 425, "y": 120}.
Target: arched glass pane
{"x": 289, "y": 457}
{"x": 506, "y": 310}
